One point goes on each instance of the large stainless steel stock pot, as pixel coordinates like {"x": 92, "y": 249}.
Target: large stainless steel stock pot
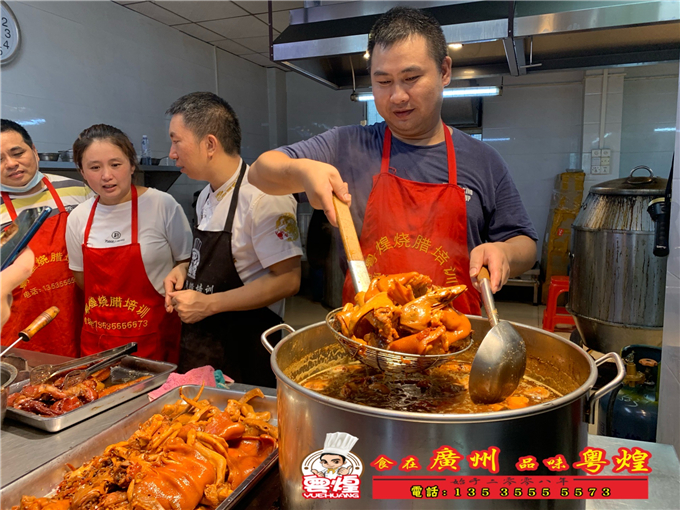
{"x": 545, "y": 430}
{"x": 618, "y": 286}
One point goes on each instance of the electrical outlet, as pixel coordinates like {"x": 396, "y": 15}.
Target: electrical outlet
{"x": 606, "y": 169}
{"x": 605, "y": 161}
{"x": 595, "y": 161}
{"x": 595, "y": 170}
{"x": 596, "y": 153}
{"x": 606, "y": 153}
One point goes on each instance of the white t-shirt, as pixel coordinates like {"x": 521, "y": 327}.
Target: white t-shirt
{"x": 164, "y": 232}
{"x": 71, "y": 192}
{"x": 264, "y": 232}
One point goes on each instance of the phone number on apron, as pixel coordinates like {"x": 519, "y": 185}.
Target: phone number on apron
{"x": 48, "y": 287}
{"x": 116, "y": 325}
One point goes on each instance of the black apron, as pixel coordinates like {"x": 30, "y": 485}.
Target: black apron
{"x": 229, "y": 341}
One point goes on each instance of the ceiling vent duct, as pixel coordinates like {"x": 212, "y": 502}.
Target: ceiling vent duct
{"x": 328, "y": 42}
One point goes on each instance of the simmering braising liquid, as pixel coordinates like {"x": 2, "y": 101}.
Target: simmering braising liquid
{"x": 443, "y": 389}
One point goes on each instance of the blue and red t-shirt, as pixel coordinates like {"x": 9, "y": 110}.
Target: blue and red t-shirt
{"x": 494, "y": 209}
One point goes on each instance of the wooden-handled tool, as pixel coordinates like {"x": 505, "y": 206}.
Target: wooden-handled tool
{"x": 40, "y": 322}
{"x": 355, "y": 257}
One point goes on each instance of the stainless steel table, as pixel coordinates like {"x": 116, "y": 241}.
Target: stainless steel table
{"x": 664, "y": 481}
{"x": 23, "y": 449}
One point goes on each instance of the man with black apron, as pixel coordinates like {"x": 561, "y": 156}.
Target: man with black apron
{"x": 424, "y": 197}
{"x": 246, "y": 250}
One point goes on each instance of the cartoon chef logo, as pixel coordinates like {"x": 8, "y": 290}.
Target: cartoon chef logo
{"x": 333, "y": 473}
{"x": 286, "y": 228}
{"x": 195, "y": 258}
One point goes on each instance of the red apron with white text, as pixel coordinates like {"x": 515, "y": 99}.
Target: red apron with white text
{"x": 51, "y": 284}
{"x": 417, "y": 226}
{"x": 121, "y": 304}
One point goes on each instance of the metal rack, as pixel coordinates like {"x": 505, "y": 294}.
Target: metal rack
{"x": 153, "y": 176}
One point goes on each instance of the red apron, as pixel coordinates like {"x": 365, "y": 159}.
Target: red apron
{"x": 121, "y": 304}
{"x": 51, "y": 283}
{"x": 417, "y": 226}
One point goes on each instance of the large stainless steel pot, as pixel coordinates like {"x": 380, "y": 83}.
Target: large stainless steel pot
{"x": 305, "y": 417}
{"x": 7, "y": 375}
{"x": 617, "y": 285}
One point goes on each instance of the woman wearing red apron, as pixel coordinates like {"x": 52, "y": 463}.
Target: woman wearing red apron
{"x": 122, "y": 268}
{"x": 52, "y": 282}
{"x": 400, "y": 235}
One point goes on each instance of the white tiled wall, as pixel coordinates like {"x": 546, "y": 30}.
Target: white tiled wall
{"x": 536, "y": 127}
{"x": 545, "y": 123}
{"x": 83, "y": 63}
{"x": 650, "y": 97}
{"x": 87, "y": 62}
{"x": 592, "y": 113}
{"x": 314, "y": 108}
{"x": 668, "y": 428}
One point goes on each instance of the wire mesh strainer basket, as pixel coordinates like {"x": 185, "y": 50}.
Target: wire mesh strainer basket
{"x": 388, "y": 361}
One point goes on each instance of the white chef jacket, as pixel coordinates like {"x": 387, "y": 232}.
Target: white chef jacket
{"x": 264, "y": 231}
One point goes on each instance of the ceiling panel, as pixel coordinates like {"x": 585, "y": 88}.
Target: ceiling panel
{"x": 259, "y": 7}
{"x": 234, "y": 28}
{"x": 256, "y": 44}
{"x": 232, "y": 47}
{"x": 198, "y": 32}
{"x": 157, "y": 12}
{"x": 260, "y": 59}
{"x": 241, "y": 28}
{"x": 204, "y": 11}
{"x": 280, "y": 19}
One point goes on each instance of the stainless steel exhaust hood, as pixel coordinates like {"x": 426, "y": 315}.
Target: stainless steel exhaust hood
{"x": 327, "y": 42}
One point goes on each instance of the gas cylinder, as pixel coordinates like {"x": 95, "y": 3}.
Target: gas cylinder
{"x": 632, "y": 411}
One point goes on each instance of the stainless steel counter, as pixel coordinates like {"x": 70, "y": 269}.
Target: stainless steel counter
{"x": 664, "y": 481}
{"x": 23, "y": 449}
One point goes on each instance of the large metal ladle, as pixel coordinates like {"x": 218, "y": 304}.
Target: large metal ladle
{"x": 501, "y": 359}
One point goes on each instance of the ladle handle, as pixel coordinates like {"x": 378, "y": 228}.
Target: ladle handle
{"x": 487, "y": 296}
{"x": 40, "y": 322}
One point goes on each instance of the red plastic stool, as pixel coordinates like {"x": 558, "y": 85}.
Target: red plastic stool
{"x": 554, "y": 314}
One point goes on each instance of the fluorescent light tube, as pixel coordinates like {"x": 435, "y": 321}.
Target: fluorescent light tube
{"x": 454, "y": 92}
{"x": 472, "y": 91}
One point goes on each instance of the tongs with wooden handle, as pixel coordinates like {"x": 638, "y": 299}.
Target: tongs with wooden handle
{"x": 40, "y": 322}
{"x": 355, "y": 257}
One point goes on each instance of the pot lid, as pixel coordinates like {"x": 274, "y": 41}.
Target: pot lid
{"x": 633, "y": 184}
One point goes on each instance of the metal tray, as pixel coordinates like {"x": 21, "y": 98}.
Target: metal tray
{"x": 45, "y": 479}
{"x": 159, "y": 370}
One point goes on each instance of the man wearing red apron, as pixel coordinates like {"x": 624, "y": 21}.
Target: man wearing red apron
{"x": 52, "y": 282}
{"x": 431, "y": 240}
{"x": 419, "y": 203}
{"x": 121, "y": 304}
